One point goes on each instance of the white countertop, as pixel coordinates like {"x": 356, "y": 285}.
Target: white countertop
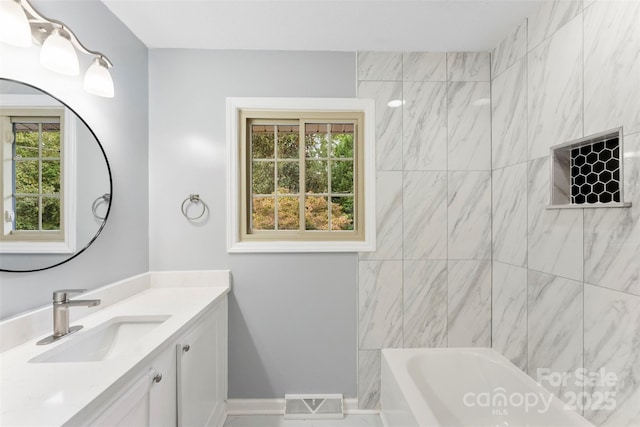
{"x": 50, "y": 394}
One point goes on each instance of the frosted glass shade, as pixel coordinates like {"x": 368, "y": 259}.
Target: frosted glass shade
{"x": 14, "y": 26}
{"x": 57, "y": 54}
{"x": 97, "y": 79}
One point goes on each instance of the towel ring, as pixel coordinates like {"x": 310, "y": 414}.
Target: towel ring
{"x": 193, "y": 198}
{"x": 105, "y": 198}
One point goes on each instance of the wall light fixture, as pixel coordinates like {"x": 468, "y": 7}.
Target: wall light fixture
{"x": 21, "y": 25}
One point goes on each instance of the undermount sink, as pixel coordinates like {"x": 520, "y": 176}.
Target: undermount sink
{"x": 102, "y": 342}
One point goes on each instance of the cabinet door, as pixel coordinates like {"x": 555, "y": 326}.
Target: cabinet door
{"x": 131, "y": 408}
{"x": 150, "y": 400}
{"x": 162, "y": 395}
{"x": 202, "y": 371}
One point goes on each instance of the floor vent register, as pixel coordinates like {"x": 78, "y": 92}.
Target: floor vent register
{"x": 313, "y": 406}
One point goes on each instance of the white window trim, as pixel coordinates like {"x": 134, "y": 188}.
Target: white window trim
{"x": 68, "y": 245}
{"x": 234, "y": 105}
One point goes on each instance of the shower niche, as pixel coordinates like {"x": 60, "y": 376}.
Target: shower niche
{"x": 588, "y": 172}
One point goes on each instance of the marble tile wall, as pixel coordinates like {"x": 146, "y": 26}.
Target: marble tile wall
{"x": 554, "y": 328}
{"x": 469, "y": 321}
{"x": 611, "y": 335}
{"x": 425, "y": 303}
{"x": 554, "y": 95}
{"x": 509, "y": 312}
{"x": 509, "y": 115}
{"x": 566, "y": 283}
{"x": 469, "y": 215}
{"x": 428, "y": 284}
{"x": 424, "y": 125}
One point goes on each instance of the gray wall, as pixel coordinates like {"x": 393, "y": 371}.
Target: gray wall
{"x": 292, "y": 318}
{"x": 121, "y": 125}
{"x": 566, "y": 283}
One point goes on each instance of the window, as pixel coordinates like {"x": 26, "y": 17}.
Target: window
{"x": 37, "y": 172}
{"x": 301, "y": 175}
{"x": 34, "y": 179}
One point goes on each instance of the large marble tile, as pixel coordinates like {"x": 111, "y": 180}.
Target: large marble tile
{"x": 425, "y": 126}
{"x": 388, "y": 122}
{"x": 509, "y": 215}
{"x": 469, "y": 312}
{"x": 380, "y": 66}
{"x": 555, "y": 316}
{"x": 509, "y": 51}
{"x": 612, "y": 66}
{"x": 554, "y": 95}
{"x": 612, "y": 343}
{"x": 369, "y": 366}
{"x": 468, "y": 66}
{"x": 555, "y": 236}
{"x": 388, "y": 217}
{"x": 612, "y": 236}
{"x": 424, "y": 67}
{"x": 550, "y": 16}
{"x": 509, "y": 116}
{"x": 469, "y": 126}
{"x": 469, "y": 215}
{"x": 425, "y": 215}
{"x": 380, "y": 304}
{"x": 425, "y": 303}
{"x": 509, "y": 313}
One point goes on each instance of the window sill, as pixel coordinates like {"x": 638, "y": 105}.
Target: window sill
{"x": 307, "y": 246}
{"x": 22, "y": 247}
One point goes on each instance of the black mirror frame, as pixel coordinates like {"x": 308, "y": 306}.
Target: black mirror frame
{"x": 106, "y": 159}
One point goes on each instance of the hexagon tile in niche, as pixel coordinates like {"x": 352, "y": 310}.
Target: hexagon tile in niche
{"x": 588, "y": 172}
{"x": 595, "y": 172}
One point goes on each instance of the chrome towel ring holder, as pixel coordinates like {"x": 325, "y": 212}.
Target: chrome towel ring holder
{"x": 105, "y": 198}
{"x": 193, "y": 199}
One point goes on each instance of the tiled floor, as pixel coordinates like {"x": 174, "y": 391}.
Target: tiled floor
{"x": 279, "y": 421}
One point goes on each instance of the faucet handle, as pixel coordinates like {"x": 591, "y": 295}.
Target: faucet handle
{"x": 62, "y": 295}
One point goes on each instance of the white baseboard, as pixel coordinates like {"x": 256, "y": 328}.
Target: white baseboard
{"x": 255, "y": 407}
{"x": 276, "y": 407}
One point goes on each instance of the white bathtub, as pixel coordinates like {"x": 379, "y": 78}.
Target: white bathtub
{"x": 464, "y": 387}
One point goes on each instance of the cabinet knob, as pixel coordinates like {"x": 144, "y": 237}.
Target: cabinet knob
{"x": 186, "y": 348}
{"x": 157, "y": 378}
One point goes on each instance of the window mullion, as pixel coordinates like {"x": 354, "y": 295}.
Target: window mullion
{"x": 40, "y": 189}
{"x": 13, "y": 175}
{"x": 329, "y": 189}
{"x": 302, "y": 129}
{"x": 275, "y": 177}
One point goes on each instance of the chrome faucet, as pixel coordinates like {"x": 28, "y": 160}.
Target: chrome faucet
{"x": 61, "y": 304}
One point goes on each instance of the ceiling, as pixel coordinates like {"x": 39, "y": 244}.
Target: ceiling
{"x": 347, "y": 25}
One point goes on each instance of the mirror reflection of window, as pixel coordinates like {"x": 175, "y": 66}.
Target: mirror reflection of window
{"x": 37, "y": 173}
{"x": 36, "y": 143}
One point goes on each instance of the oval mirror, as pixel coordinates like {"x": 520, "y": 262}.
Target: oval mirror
{"x": 54, "y": 177}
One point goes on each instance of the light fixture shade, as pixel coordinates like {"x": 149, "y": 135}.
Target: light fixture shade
{"x": 57, "y": 54}
{"x": 14, "y": 26}
{"x": 97, "y": 79}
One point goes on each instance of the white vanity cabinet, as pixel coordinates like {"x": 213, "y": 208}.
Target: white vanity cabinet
{"x": 147, "y": 400}
{"x": 185, "y": 386}
{"x": 154, "y": 353}
{"x": 162, "y": 391}
{"x": 202, "y": 371}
